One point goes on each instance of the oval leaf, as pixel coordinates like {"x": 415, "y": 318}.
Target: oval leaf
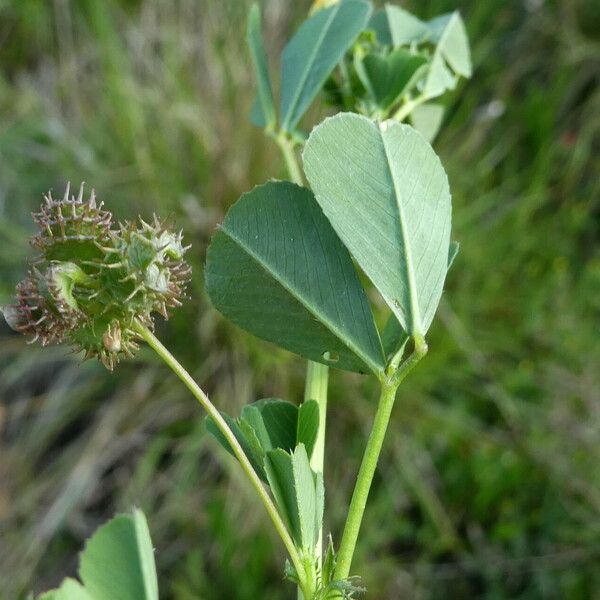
{"x": 314, "y": 51}
{"x": 277, "y": 269}
{"x": 118, "y": 561}
{"x": 386, "y": 194}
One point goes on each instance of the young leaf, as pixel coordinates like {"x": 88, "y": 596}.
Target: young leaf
{"x": 380, "y": 24}
{"x": 306, "y": 499}
{"x": 388, "y": 77}
{"x": 404, "y": 27}
{"x": 280, "y": 422}
{"x": 386, "y": 194}
{"x": 308, "y": 425}
{"x": 393, "y": 336}
{"x": 449, "y": 32}
{"x": 299, "y": 494}
{"x": 451, "y": 57}
{"x": 280, "y": 474}
{"x": 427, "y": 119}
{"x": 263, "y": 112}
{"x": 270, "y": 424}
{"x": 314, "y": 51}
{"x": 118, "y": 561}
{"x": 248, "y": 438}
{"x": 277, "y": 269}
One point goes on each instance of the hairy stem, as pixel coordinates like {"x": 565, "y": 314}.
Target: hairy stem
{"x": 215, "y": 415}
{"x": 370, "y": 458}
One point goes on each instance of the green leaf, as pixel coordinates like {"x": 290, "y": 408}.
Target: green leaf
{"x": 263, "y": 112}
{"x": 280, "y": 474}
{"x": 386, "y": 194}
{"x": 308, "y": 425}
{"x": 280, "y": 422}
{"x": 393, "y": 337}
{"x": 248, "y": 438}
{"x": 118, "y": 561}
{"x": 450, "y": 34}
{"x": 253, "y": 448}
{"x": 440, "y": 78}
{"x": 380, "y": 24}
{"x": 306, "y": 497}
{"x": 270, "y": 424}
{"x": 69, "y": 590}
{"x": 427, "y": 119}
{"x": 451, "y": 57}
{"x": 404, "y": 27}
{"x": 299, "y": 494}
{"x": 277, "y": 269}
{"x": 389, "y": 77}
{"x": 314, "y": 51}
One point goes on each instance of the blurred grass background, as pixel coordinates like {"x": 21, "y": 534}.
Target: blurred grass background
{"x": 489, "y": 486}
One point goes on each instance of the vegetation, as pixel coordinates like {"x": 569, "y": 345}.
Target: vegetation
{"x": 480, "y": 490}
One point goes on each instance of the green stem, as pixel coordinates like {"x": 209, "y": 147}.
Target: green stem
{"x": 408, "y": 107}
{"x": 370, "y": 458}
{"x": 291, "y": 162}
{"x": 215, "y": 415}
{"x": 317, "y": 375}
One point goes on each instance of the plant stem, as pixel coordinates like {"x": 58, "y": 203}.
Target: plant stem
{"x": 287, "y": 149}
{"x": 215, "y": 415}
{"x": 317, "y": 375}
{"x": 408, "y": 107}
{"x": 370, "y": 458}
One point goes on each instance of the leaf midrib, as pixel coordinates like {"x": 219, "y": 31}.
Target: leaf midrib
{"x": 415, "y": 312}
{"x": 298, "y": 297}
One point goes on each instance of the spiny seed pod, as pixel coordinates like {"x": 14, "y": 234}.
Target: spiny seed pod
{"x": 93, "y": 284}
{"x": 152, "y": 258}
{"x": 69, "y": 220}
{"x": 43, "y": 310}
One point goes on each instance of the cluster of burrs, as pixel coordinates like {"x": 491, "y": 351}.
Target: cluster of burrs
{"x": 94, "y": 283}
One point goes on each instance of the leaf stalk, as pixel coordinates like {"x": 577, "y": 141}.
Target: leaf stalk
{"x": 389, "y": 387}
